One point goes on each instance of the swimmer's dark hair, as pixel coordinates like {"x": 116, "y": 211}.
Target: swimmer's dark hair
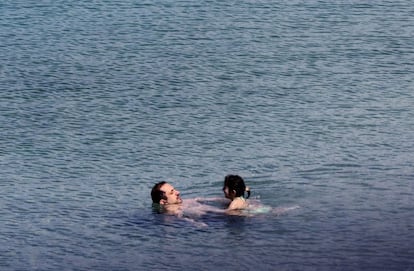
{"x": 156, "y": 194}
{"x": 236, "y": 183}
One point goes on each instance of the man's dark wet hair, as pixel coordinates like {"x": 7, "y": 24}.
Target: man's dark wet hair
{"x": 156, "y": 194}
{"x": 236, "y": 183}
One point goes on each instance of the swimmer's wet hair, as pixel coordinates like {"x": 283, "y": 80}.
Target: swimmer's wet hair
{"x": 236, "y": 183}
{"x": 156, "y": 194}
{"x": 247, "y": 191}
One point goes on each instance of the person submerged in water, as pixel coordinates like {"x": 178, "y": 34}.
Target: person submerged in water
{"x": 164, "y": 193}
{"x": 234, "y": 189}
{"x": 166, "y": 199}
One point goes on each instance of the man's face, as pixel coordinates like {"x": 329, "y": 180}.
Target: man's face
{"x": 173, "y": 196}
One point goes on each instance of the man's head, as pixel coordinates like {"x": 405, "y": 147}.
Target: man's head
{"x": 164, "y": 193}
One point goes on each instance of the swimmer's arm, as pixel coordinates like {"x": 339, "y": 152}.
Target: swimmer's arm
{"x": 214, "y": 199}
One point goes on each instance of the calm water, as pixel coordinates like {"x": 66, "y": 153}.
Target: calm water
{"x": 312, "y": 102}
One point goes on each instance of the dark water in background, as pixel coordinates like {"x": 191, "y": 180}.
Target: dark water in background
{"x": 312, "y": 102}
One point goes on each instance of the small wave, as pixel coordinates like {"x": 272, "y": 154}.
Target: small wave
{"x": 283, "y": 210}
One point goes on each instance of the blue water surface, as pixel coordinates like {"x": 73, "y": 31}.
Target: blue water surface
{"x": 311, "y": 102}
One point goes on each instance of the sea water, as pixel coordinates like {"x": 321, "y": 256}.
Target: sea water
{"x": 311, "y": 102}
